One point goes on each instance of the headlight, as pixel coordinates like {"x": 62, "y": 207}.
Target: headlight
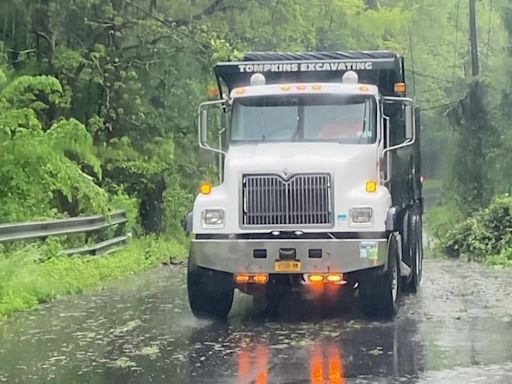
{"x": 361, "y": 215}
{"x": 213, "y": 218}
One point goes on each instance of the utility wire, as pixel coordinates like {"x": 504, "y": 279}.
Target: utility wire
{"x": 443, "y": 105}
{"x": 433, "y": 77}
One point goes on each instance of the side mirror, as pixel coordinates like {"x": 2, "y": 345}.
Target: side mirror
{"x": 409, "y": 123}
{"x": 202, "y": 124}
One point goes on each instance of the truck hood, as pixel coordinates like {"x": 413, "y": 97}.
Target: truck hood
{"x": 291, "y": 158}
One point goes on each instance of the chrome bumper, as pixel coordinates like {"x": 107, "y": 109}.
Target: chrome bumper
{"x": 236, "y": 256}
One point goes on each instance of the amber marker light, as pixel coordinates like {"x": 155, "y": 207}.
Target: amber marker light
{"x": 316, "y": 87}
{"x": 213, "y": 91}
{"x": 335, "y": 278}
{"x": 301, "y": 87}
{"x": 316, "y": 278}
{"x": 400, "y": 88}
{"x": 242, "y": 279}
{"x": 260, "y": 279}
{"x": 371, "y": 187}
{"x": 240, "y": 91}
{"x": 205, "y": 188}
{"x": 364, "y": 88}
{"x": 285, "y": 87}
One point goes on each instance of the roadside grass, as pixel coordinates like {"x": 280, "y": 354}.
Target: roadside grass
{"x": 485, "y": 236}
{"x": 37, "y": 274}
{"x": 432, "y": 184}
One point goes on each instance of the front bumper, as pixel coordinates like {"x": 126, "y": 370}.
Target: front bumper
{"x": 340, "y": 256}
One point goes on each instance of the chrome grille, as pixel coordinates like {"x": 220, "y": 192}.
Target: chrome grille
{"x": 300, "y": 200}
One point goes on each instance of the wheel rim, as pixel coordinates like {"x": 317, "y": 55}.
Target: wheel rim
{"x": 394, "y": 283}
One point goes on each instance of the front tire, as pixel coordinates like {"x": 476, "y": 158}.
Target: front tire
{"x": 379, "y": 291}
{"x": 210, "y": 293}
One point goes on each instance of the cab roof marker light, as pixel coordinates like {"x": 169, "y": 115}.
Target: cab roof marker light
{"x": 350, "y": 77}
{"x": 301, "y": 87}
{"x": 285, "y": 87}
{"x": 258, "y": 79}
{"x": 240, "y": 91}
{"x": 316, "y": 87}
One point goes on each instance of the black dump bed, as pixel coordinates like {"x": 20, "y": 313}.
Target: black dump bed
{"x": 381, "y": 68}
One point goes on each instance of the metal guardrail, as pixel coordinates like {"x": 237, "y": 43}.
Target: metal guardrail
{"x": 43, "y": 229}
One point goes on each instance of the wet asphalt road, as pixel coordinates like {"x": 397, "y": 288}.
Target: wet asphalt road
{"x": 140, "y": 330}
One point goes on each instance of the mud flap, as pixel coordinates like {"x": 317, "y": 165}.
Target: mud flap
{"x": 405, "y": 271}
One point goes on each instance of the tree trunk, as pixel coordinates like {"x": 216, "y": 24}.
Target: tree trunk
{"x": 151, "y": 207}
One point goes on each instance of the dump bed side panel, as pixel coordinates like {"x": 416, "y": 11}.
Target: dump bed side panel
{"x": 380, "y": 68}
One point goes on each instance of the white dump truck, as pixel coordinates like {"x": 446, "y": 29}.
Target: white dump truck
{"x": 320, "y": 182}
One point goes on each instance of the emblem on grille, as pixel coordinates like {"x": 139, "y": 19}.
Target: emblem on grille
{"x": 285, "y": 172}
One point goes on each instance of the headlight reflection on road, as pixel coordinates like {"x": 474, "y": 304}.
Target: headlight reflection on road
{"x": 253, "y": 362}
{"x": 325, "y": 364}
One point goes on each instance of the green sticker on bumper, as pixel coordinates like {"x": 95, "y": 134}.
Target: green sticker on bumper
{"x": 368, "y": 250}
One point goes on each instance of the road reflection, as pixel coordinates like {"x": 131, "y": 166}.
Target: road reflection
{"x": 253, "y": 364}
{"x": 328, "y": 352}
{"x": 326, "y": 364}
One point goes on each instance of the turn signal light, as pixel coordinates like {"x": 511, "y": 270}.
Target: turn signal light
{"x": 371, "y": 186}
{"x": 206, "y": 188}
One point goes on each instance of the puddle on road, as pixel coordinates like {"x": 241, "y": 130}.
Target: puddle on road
{"x": 140, "y": 330}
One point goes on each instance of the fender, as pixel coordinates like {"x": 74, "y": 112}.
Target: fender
{"x": 393, "y": 220}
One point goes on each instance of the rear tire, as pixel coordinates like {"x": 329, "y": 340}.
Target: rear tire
{"x": 379, "y": 291}
{"x": 210, "y": 293}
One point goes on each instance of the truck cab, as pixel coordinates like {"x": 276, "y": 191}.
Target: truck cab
{"x": 319, "y": 185}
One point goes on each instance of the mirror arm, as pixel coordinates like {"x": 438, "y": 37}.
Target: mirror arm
{"x": 408, "y": 142}
{"x": 202, "y": 141}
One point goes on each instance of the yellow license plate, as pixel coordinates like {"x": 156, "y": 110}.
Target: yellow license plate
{"x": 287, "y": 266}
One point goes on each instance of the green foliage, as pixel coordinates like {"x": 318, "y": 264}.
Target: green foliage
{"x": 33, "y": 275}
{"x": 98, "y": 106}
{"x": 486, "y": 235}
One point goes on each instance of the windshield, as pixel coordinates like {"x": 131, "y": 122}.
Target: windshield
{"x": 344, "y": 119}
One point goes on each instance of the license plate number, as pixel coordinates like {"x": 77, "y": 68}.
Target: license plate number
{"x": 287, "y": 266}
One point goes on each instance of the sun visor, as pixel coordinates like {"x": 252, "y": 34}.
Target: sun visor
{"x": 380, "y": 68}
